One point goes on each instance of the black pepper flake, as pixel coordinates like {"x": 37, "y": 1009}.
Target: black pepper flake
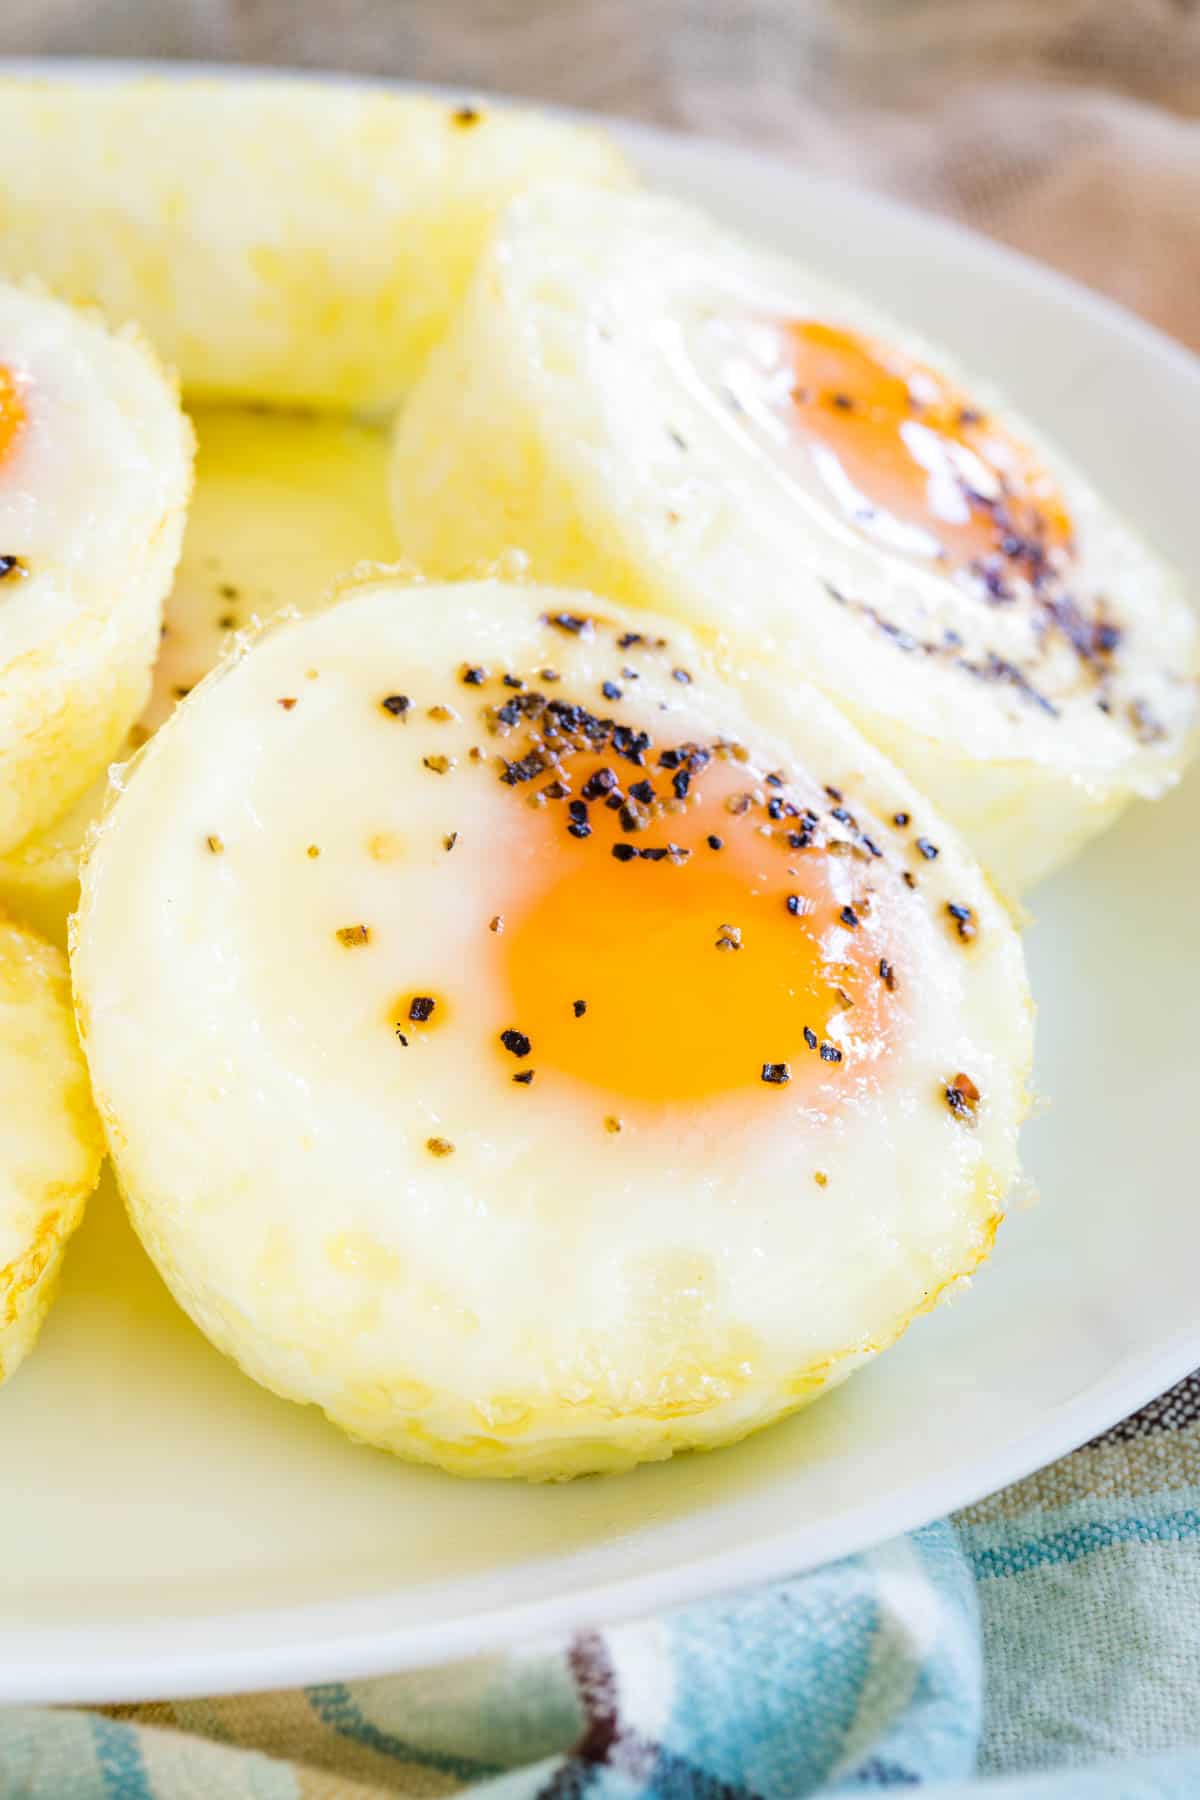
{"x": 887, "y": 974}
{"x": 848, "y": 916}
{"x": 841, "y": 815}
{"x": 421, "y": 1008}
{"x": 830, "y": 1053}
{"x": 579, "y": 1007}
{"x": 843, "y": 402}
{"x": 523, "y": 1077}
{"x": 655, "y": 853}
{"x": 556, "y": 790}
{"x": 396, "y": 704}
{"x": 11, "y": 565}
{"x": 573, "y": 623}
{"x": 869, "y": 844}
{"x": 928, "y": 850}
{"x": 512, "y": 681}
{"x": 523, "y": 770}
{"x": 579, "y": 828}
{"x": 473, "y": 675}
{"x": 642, "y": 791}
{"x": 632, "y": 745}
{"x": 401, "y": 1037}
{"x": 777, "y": 1074}
{"x": 681, "y": 781}
{"x": 964, "y": 920}
{"x": 682, "y": 676}
{"x": 714, "y": 842}
{"x": 602, "y": 781}
{"x": 774, "y": 780}
{"x": 515, "y": 1042}
{"x": 610, "y": 690}
{"x": 810, "y": 1037}
{"x": 901, "y": 819}
{"x": 962, "y": 1097}
{"x": 794, "y": 905}
{"x": 227, "y": 622}
{"x": 835, "y": 794}
{"x": 509, "y": 713}
{"x": 908, "y": 878}
{"x": 799, "y": 840}
{"x": 549, "y": 674}
{"x": 627, "y": 640}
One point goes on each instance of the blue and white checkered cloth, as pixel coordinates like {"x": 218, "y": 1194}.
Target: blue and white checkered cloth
{"x": 1044, "y": 1643}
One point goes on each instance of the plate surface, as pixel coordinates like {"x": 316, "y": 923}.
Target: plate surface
{"x": 171, "y": 1529}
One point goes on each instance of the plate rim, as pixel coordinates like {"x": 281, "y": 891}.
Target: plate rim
{"x": 263, "y": 1648}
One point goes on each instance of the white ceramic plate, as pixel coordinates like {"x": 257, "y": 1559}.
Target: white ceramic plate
{"x": 169, "y": 1528}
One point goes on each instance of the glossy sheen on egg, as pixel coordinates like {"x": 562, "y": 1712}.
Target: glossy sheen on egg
{"x": 287, "y": 241}
{"x": 649, "y": 406}
{"x": 50, "y": 1145}
{"x": 95, "y": 471}
{"x": 535, "y": 1048}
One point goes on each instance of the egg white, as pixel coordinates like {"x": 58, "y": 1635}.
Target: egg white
{"x": 50, "y": 1142}
{"x": 279, "y": 240}
{"x": 93, "y": 491}
{"x": 550, "y": 1295}
{"x": 283, "y": 503}
{"x": 604, "y": 401}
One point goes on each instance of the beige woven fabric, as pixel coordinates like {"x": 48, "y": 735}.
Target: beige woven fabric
{"x": 1070, "y": 128}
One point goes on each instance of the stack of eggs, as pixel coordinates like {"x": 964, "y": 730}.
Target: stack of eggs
{"x": 553, "y": 1000}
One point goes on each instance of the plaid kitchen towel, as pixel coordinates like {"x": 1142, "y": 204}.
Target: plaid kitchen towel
{"x": 1045, "y": 1642}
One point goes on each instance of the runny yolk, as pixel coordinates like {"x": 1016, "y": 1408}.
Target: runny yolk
{"x": 12, "y": 412}
{"x": 901, "y": 447}
{"x": 695, "y": 974}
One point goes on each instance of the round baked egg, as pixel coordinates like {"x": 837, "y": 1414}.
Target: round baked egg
{"x": 534, "y": 1045}
{"x": 50, "y": 1142}
{"x": 652, "y": 407}
{"x": 95, "y": 472}
{"x": 288, "y": 241}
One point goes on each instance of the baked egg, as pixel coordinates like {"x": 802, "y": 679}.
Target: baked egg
{"x": 646, "y": 405}
{"x": 536, "y": 1046}
{"x": 95, "y": 471}
{"x": 50, "y": 1143}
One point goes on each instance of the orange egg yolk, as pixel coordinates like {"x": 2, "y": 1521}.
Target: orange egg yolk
{"x": 901, "y": 446}
{"x": 12, "y": 412}
{"x": 686, "y": 978}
